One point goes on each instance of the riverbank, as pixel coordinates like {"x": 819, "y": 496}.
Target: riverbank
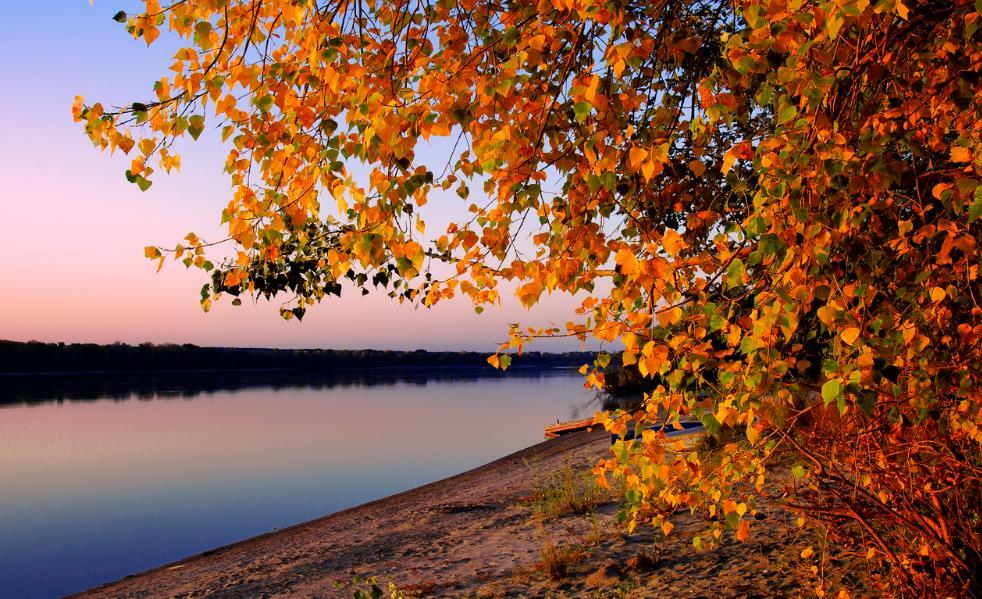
{"x": 477, "y": 535}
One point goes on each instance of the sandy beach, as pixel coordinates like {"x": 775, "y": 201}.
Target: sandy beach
{"x": 475, "y": 535}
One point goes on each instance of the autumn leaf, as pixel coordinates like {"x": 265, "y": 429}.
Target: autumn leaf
{"x": 960, "y": 154}
{"x": 849, "y": 335}
{"x": 743, "y": 531}
{"x": 627, "y": 262}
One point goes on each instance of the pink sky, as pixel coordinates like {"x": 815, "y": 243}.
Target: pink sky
{"x": 71, "y": 253}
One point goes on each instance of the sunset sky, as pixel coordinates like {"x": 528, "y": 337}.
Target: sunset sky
{"x": 71, "y": 255}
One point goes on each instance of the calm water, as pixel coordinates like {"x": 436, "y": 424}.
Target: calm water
{"x": 100, "y": 478}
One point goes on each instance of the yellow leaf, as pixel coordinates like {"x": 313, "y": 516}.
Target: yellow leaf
{"x": 650, "y": 168}
{"x": 667, "y": 526}
{"x": 850, "y": 335}
{"x": 657, "y": 358}
{"x": 807, "y": 553}
{"x": 752, "y": 434}
{"x": 728, "y": 160}
{"x": 938, "y": 294}
{"x": 637, "y": 156}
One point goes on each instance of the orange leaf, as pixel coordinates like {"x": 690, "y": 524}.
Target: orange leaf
{"x": 673, "y": 242}
{"x": 667, "y": 526}
{"x": 728, "y": 160}
{"x": 629, "y": 265}
{"x": 960, "y": 154}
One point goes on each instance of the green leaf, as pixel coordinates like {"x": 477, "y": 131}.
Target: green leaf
{"x": 196, "y": 124}
{"x": 709, "y": 421}
{"x": 786, "y": 114}
{"x": 798, "y": 472}
{"x": 120, "y": 17}
{"x": 744, "y": 64}
{"x": 581, "y": 110}
{"x": 603, "y": 359}
{"x": 264, "y": 103}
{"x": 201, "y": 31}
{"x": 734, "y": 273}
{"x": 867, "y": 401}
{"x": 831, "y": 390}
{"x": 975, "y": 210}
{"x": 505, "y": 361}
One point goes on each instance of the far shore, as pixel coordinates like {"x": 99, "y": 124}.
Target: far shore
{"x": 475, "y": 535}
{"x": 487, "y": 370}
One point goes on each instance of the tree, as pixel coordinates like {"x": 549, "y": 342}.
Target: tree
{"x": 772, "y": 204}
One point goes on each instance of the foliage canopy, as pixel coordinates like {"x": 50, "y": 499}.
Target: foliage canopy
{"x": 772, "y": 204}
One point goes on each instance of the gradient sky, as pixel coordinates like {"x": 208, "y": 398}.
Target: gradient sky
{"x": 71, "y": 253}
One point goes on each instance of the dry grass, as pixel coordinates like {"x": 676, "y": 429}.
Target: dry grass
{"x": 557, "y": 560}
{"x": 567, "y": 491}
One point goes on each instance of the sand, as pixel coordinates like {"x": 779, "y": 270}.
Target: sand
{"x": 475, "y": 535}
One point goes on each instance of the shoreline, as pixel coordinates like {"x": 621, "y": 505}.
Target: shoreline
{"x": 208, "y": 573}
{"x": 477, "y": 535}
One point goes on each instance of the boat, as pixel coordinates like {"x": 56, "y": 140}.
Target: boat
{"x": 564, "y": 428}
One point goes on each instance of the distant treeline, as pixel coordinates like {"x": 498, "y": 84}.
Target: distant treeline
{"x": 36, "y": 357}
{"x": 149, "y": 385}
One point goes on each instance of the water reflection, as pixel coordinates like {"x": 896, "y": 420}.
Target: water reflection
{"x": 93, "y": 490}
{"x": 37, "y": 389}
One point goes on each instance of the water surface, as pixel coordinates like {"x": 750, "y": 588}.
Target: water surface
{"x": 101, "y": 477}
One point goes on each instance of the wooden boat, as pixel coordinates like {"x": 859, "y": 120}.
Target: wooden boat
{"x": 573, "y": 426}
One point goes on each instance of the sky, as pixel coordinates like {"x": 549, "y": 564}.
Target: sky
{"x": 71, "y": 253}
